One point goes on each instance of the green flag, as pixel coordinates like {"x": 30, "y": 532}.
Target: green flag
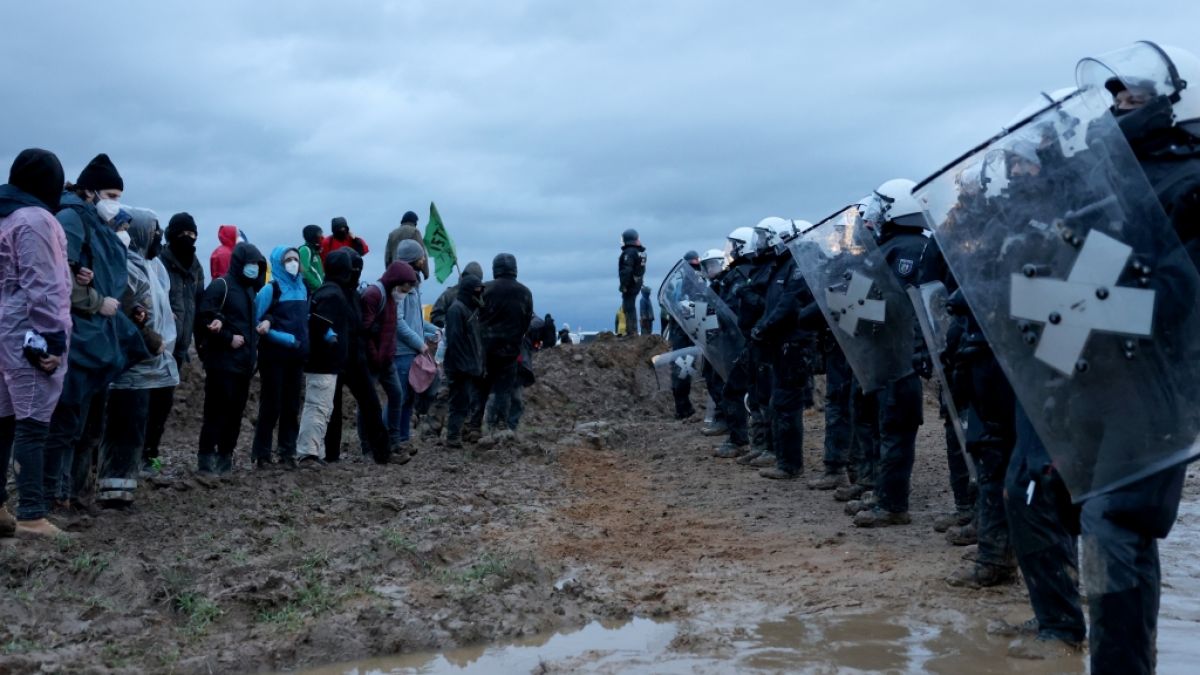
{"x": 439, "y": 245}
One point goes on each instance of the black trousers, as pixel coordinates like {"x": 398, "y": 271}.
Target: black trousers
{"x": 464, "y": 397}
{"x": 837, "y": 411}
{"x": 789, "y": 386}
{"x": 279, "y": 403}
{"x": 357, "y": 379}
{"x": 499, "y": 382}
{"x": 900, "y": 417}
{"x": 864, "y": 445}
{"x": 161, "y": 402}
{"x": 225, "y": 395}
{"x": 681, "y": 390}
{"x": 123, "y": 440}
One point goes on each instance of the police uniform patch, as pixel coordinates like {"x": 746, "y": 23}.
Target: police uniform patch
{"x": 904, "y": 267}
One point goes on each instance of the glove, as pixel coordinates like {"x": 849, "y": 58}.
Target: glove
{"x": 288, "y": 340}
{"x": 922, "y": 364}
{"x": 330, "y": 336}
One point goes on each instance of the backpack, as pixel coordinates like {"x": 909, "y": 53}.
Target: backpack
{"x": 377, "y": 323}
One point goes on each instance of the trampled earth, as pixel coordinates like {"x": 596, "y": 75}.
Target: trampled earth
{"x": 601, "y": 509}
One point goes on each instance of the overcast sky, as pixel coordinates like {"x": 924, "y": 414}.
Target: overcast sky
{"x": 543, "y": 129}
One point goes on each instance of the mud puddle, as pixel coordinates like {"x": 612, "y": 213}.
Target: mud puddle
{"x": 1179, "y": 614}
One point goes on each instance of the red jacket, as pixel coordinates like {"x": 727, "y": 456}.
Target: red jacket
{"x": 331, "y": 244}
{"x": 218, "y": 264}
{"x": 379, "y": 317}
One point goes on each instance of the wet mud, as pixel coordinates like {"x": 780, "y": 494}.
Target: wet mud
{"x": 602, "y": 538}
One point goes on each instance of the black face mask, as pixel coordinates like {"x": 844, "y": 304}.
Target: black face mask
{"x": 183, "y": 248}
{"x": 1147, "y": 123}
{"x": 155, "y": 245}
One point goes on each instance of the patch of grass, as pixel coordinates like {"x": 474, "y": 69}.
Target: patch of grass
{"x": 398, "y": 542}
{"x": 314, "y": 561}
{"x": 199, "y": 610}
{"x": 287, "y": 618}
{"x": 286, "y": 535}
{"x": 488, "y": 565}
{"x": 64, "y": 543}
{"x": 156, "y": 465}
{"x": 88, "y": 562}
{"x": 17, "y": 646}
{"x": 239, "y": 556}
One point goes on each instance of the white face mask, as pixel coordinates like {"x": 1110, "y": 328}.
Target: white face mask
{"x": 108, "y": 209}
{"x": 250, "y": 271}
{"x": 292, "y": 267}
{"x": 124, "y": 237}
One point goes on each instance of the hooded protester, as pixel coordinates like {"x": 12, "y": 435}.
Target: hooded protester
{"x": 342, "y": 238}
{"x": 525, "y": 376}
{"x": 311, "y": 266}
{"x": 344, "y": 269}
{"x": 281, "y": 308}
{"x": 105, "y": 341}
{"x": 407, "y": 230}
{"x": 507, "y": 306}
{"x": 227, "y": 340}
{"x": 549, "y": 332}
{"x": 438, "y": 316}
{"x": 35, "y": 290}
{"x": 464, "y": 359}
{"x": 646, "y": 312}
{"x": 329, "y": 326}
{"x": 148, "y": 300}
{"x": 412, "y": 333}
{"x": 218, "y": 262}
{"x": 380, "y": 300}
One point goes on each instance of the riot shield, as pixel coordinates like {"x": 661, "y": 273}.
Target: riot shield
{"x": 1082, "y": 289}
{"x": 861, "y": 298}
{"x": 929, "y": 302}
{"x": 687, "y": 363}
{"x": 706, "y": 319}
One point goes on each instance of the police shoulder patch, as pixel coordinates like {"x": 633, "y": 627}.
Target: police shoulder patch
{"x": 904, "y": 267}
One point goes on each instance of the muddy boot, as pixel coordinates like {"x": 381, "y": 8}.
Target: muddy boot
{"x": 223, "y": 465}
{"x": 261, "y": 463}
{"x": 1028, "y": 628}
{"x": 400, "y": 455}
{"x": 310, "y": 462}
{"x": 37, "y": 528}
{"x": 748, "y": 457}
{"x": 1043, "y": 647}
{"x": 877, "y": 517}
{"x": 963, "y": 536}
{"x": 455, "y": 442}
{"x": 776, "y": 473}
{"x": 830, "y": 480}
{"x": 864, "y": 503}
{"x": 714, "y": 429}
{"x": 287, "y": 463}
{"x": 980, "y": 575}
{"x": 8, "y": 523}
{"x": 959, "y": 518}
{"x": 849, "y": 493}
{"x": 206, "y": 463}
{"x": 473, "y": 436}
{"x": 765, "y": 461}
{"x": 728, "y": 450}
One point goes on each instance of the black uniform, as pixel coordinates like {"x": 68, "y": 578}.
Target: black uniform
{"x": 752, "y": 305}
{"x": 733, "y": 390}
{"x": 631, "y": 270}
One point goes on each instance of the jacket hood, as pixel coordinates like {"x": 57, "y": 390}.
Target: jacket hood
{"x": 286, "y": 281}
{"x": 645, "y": 291}
{"x": 13, "y": 198}
{"x": 244, "y": 254}
{"x": 472, "y": 268}
{"x": 343, "y": 266}
{"x": 312, "y": 235}
{"x": 468, "y": 289}
{"x": 227, "y": 235}
{"x": 141, "y": 229}
{"x": 504, "y": 266}
{"x": 396, "y": 274}
{"x": 38, "y": 173}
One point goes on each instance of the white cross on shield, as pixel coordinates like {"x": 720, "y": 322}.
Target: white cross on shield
{"x": 1087, "y": 301}
{"x": 852, "y": 305}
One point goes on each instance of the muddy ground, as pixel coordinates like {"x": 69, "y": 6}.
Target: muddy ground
{"x": 601, "y": 508}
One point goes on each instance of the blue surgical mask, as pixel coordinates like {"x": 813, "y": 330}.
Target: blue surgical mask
{"x": 250, "y": 271}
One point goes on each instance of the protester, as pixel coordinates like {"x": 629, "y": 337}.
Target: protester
{"x": 525, "y": 378}
{"x": 407, "y": 230}
{"x": 411, "y": 333}
{"x": 355, "y": 373}
{"x": 35, "y": 291}
{"x": 438, "y": 315}
{"x": 147, "y": 302}
{"x": 281, "y": 310}
{"x": 329, "y": 337}
{"x": 646, "y": 312}
{"x": 564, "y": 335}
{"x": 227, "y": 339}
{"x": 507, "y": 306}
{"x": 104, "y": 340}
{"x": 186, "y": 280}
{"x": 380, "y": 311}
{"x": 342, "y": 238}
{"x": 549, "y": 336}
{"x": 631, "y": 269}
{"x": 464, "y": 360}
{"x": 218, "y": 262}
{"x": 311, "y": 258}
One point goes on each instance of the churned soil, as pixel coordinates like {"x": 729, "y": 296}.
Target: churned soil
{"x": 601, "y": 507}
